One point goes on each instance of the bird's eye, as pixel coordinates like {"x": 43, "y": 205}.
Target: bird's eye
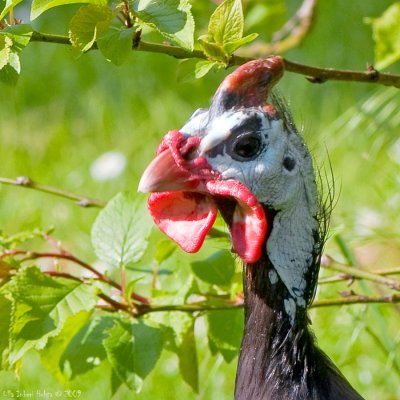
{"x": 246, "y": 147}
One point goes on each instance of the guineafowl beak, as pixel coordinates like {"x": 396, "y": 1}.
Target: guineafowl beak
{"x": 182, "y": 203}
{"x": 186, "y": 188}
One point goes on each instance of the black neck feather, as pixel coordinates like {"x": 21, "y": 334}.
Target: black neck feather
{"x": 279, "y": 359}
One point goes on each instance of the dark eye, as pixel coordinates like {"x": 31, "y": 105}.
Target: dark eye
{"x": 246, "y": 147}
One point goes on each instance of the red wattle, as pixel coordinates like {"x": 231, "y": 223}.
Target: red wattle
{"x": 184, "y": 217}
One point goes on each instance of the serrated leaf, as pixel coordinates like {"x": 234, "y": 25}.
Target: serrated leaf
{"x": 120, "y": 232}
{"x": 89, "y": 23}
{"x": 193, "y": 69}
{"x": 231, "y": 47}
{"x": 386, "y": 33}
{"x": 20, "y": 36}
{"x": 56, "y": 346}
{"x": 213, "y": 51}
{"x": 133, "y": 349}
{"x": 172, "y": 18}
{"x": 5, "y": 50}
{"x": 6, "y": 6}
{"x": 218, "y": 269}
{"x": 40, "y": 306}
{"x": 116, "y": 44}
{"x": 225, "y": 331}
{"x": 40, "y": 6}
{"x": 227, "y": 22}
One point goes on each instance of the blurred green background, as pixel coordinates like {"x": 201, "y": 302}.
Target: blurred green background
{"x": 68, "y": 110}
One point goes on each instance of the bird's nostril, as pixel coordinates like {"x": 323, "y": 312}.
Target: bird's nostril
{"x": 190, "y": 148}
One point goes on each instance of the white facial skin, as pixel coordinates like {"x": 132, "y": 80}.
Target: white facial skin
{"x": 280, "y": 175}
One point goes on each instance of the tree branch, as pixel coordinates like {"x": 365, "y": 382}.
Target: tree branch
{"x": 26, "y": 182}
{"x": 30, "y": 255}
{"x": 313, "y": 74}
{"x": 357, "y": 299}
{"x": 362, "y": 274}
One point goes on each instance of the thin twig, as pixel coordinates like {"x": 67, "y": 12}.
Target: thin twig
{"x": 67, "y": 256}
{"x": 362, "y": 274}
{"x": 313, "y": 74}
{"x": 357, "y": 299}
{"x": 340, "y": 301}
{"x": 346, "y": 277}
{"x": 190, "y": 308}
{"x": 23, "y": 181}
{"x": 117, "y": 305}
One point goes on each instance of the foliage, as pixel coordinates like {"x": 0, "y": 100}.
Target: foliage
{"x": 88, "y": 323}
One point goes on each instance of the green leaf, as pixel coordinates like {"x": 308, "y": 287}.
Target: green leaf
{"x": 12, "y": 41}
{"x": 191, "y": 69}
{"x": 40, "y": 307}
{"x": 86, "y": 351}
{"x": 5, "y": 50}
{"x": 172, "y": 18}
{"x": 20, "y": 36}
{"x": 120, "y": 232}
{"x": 6, "y": 6}
{"x": 213, "y": 51}
{"x": 218, "y": 269}
{"x": 51, "y": 355}
{"x": 5, "y": 320}
{"x": 386, "y": 33}
{"x": 8, "y": 74}
{"x": 231, "y": 47}
{"x": 187, "y": 353}
{"x": 225, "y": 331}
{"x": 40, "y": 6}
{"x": 89, "y": 23}
{"x": 227, "y": 22}
{"x": 133, "y": 349}
{"x": 116, "y": 44}
{"x": 165, "y": 249}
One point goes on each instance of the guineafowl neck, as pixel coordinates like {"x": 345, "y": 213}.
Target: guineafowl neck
{"x": 278, "y": 358}
{"x": 268, "y": 356}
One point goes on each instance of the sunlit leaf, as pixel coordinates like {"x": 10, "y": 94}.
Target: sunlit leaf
{"x": 212, "y": 50}
{"x": 194, "y": 69}
{"x": 120, "y": 232}
{"x": 5, "y": 50}
{"x": 88, "y": 24}
{"x": 172, "y": 18}
{"x": 231, "y": 47}
{"x": 227, "y": 22}
{"x": 133, "y": 349}
{"x": 40, "y": 6}
{"x": 12, "y": 41}
{"x": 6, "y": 6}
{"x": 165, "y": 248}
{"x": 386, "y": 33}
{"x": 40, "y": 306}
